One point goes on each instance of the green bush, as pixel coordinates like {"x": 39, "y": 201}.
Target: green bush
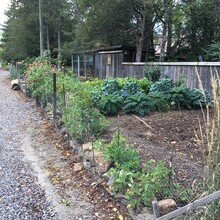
{"x": 137, "y": 104}
{"x": 110, "y": 104}
{"x": 164, "y": 85}
{"x": 152, "y": 72}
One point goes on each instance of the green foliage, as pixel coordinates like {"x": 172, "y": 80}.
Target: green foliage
{"x": 110, "y": 104}
{"x": 213, "y": 52}
{"x": 155, "y": 180}
{"x": 39, "y": 78}
{"x": 200, "y": 98}
{"x": 164, "y": 85}
{"x": 180, "y": 96}
{"x": 138, "y": 104}
{"x": 80, "y": 117}
{"x": 130, "y": 88}
{"x": 152, "y": 72}
{"x": 110, "y": 86}
{"x": 122, "y": 154}
{"x": 158, "y": 101}
{"x": 145, "y": 84}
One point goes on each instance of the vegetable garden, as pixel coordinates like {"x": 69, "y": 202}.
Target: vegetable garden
{"x": 109, "y": 112}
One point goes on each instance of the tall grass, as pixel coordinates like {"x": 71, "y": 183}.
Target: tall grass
{"x": 211, "y": 148}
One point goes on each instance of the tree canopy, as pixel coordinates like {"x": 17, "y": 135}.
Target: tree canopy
{"x": 181, "y": 29}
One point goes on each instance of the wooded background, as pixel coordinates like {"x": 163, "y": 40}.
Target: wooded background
{"x": 175, "y": 30}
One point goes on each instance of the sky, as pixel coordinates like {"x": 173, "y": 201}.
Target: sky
{"x": 3, "y": 5}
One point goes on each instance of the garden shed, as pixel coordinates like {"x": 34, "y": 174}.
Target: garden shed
{"x": 103, "y": 62}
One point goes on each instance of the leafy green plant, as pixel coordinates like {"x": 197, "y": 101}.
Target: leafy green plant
{"x": 180, "y": 96}
{"x": 80, "y": 117}
{"x": 145, "y": 84}
{"x": 130, "y": 88}
{"x": 110, "y": 86}
{"x": 110, "y": 104}
{"x": 164, "y": 85}
{"x": 152, "y": 72}
{"x": 158, "y": 101}
{"x": 154, "y": 180}
{"x": 138, "y": 104}
{"x": 200, "y": 98}
{"x": 213, "y": 52}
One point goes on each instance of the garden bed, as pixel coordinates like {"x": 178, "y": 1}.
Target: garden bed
{"x": 167, "y": 136}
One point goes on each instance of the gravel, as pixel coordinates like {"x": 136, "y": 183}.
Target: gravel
{"x": 21, "y": 197}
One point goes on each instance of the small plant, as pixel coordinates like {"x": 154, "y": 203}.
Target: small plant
{"x": 152, "y": 72}
{"x": 110, "y": 86}
{"x": 110, "y": 104}
{"x": 200, "y": 98}
{"x": 121, "y": 153}
{"x": 138, "y": 104}
{"x": 130, "y": 88}
{"x": 164, "y": 85}
{"x": 180, "y": 96}
{"x": 145, "y": 84}
{"x": 158, "y": 101}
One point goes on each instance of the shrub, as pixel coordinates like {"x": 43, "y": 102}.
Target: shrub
{"x": 138, "y": 104}
{"x": 164, "y": 85}
{"x": 152, "y": 72}
{"x": 110, "y": 104}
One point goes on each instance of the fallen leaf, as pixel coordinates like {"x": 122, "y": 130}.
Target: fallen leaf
{"x": 120, "y": 217}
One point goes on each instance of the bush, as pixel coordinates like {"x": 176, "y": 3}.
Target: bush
{"x": 152, "y": 72}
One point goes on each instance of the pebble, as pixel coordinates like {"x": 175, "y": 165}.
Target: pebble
{"x": 21, "y": 197}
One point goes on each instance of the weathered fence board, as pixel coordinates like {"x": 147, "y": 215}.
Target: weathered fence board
{"x": 191, "y": 206}
{"x": 177, "y": 71}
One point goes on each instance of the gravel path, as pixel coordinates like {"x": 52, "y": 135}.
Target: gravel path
{"x": 25, "y": 190}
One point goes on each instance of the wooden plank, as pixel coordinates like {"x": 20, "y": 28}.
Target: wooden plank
{"x": 191, "y": 206}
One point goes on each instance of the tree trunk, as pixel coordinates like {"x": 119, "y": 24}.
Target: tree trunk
{"x": 164, "y": 33}
{"x": 48, "y": 38}
{"x": 141, "y": 34}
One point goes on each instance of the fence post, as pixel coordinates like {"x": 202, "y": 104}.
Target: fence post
{"x": 54, "y": 98}
{"x": 156, "y": 209}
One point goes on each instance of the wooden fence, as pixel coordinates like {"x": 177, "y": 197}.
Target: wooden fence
{"x": 178, "y": 70}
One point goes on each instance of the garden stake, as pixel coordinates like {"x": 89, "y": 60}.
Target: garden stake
{"x": 118, "y": 131}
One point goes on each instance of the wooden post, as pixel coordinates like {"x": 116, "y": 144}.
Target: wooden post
{"x": 54, "y": 99}
{"x": 156, "y": 209}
